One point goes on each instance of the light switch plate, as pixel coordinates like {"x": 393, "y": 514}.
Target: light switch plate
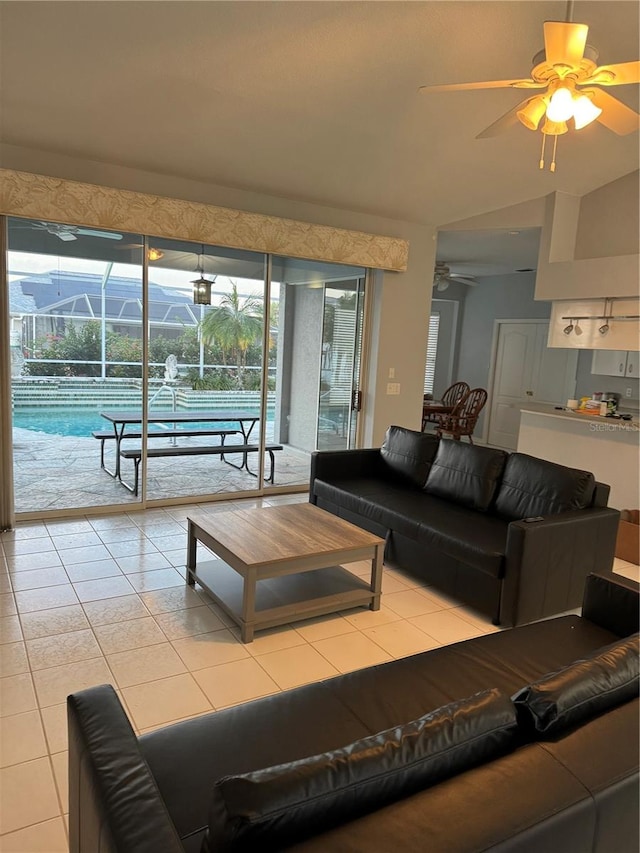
{"x": 393, "y": 388}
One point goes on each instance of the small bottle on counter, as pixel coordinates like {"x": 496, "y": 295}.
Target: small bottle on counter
{"x": 603, "y": 410}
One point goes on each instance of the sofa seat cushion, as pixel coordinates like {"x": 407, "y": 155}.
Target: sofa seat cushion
{"x": 474, "y": 538}
{"x": 585, "y": 688}
{"x": 466, "y": 474}
{"x": 388, "y": 504}
{"x": 493, "y": 807}
{"x": 277, "y": 806}
{"x": 532, "y": 486}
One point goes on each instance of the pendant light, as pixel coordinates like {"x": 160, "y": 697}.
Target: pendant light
{"x": 201, "y": 285}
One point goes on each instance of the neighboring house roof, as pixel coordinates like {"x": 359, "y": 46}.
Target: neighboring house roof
{"x": 21, "y": 303}
{"x": 80, "y": 294}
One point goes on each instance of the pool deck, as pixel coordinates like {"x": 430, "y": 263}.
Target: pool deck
{"x": 63, "y": 472}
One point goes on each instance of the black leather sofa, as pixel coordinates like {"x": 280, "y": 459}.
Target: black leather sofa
{"x": 467, "y": 747}
{"x": 510, "y": 534}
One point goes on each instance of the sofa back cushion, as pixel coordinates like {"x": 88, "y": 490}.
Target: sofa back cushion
{"x": 589, "y": 686}
{"x": 406, "y": 455}
{"x": 465, "y": 474}
{"x": 270, "y": 809}
{"x": 532, "y": 486}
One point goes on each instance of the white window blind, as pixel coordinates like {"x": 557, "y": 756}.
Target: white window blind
{"x": 432, "y": 348}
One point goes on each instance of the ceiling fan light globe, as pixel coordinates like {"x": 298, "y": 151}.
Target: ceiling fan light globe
{"x": 561, "y": 105}
{"x": 584, "y": 111}
{"x": 532, "y": 112}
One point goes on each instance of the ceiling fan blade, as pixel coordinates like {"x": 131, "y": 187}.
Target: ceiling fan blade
{"x": 564, "y": 43}
{"x": 463, "y": 279}
{"x": 615, "y": 75}
{"x": 488, "y": 84}
{"x": 505, "y": 122}
{"x": 108, "y": 235}
{"x": 615, "y": 115}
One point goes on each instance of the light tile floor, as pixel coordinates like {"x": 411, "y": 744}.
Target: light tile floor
{"x": 103, "y": 599}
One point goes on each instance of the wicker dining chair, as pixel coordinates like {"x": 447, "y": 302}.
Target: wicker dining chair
{"x": 451, "y": 396}
{"x": 464, "y": 417}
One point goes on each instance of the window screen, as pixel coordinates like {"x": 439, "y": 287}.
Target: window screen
{"x": 432, "y": 348}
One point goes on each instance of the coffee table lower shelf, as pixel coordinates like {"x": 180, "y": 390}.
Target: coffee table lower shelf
{"x": 280, "y": 600}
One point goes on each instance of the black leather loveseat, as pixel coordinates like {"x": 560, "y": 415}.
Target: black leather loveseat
{"x": 431, "y": 752}
{"x": 510, "y": 534}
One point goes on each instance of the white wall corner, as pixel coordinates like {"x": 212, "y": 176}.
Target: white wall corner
{"x": 561, "y": 276}
{"x": 561, "y": 225}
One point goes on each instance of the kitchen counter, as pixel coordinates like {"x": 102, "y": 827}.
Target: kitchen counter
{"x": 608, "y": 447}
{"x": 572, "y": 414}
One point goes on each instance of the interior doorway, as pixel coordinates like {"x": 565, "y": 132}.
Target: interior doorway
{"x": 526, "y": 371}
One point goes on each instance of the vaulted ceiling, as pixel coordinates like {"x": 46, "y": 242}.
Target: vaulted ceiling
{"x": 315, "y": 101}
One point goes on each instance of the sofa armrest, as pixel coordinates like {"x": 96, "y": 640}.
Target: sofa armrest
{"x": 547, "y": 562}
{"x": 114, "y": 802}
{"x": 331, "y": 465}
{"x": 613, "y": 602}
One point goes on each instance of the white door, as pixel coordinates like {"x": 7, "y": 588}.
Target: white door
{"x": 526, "y": 371}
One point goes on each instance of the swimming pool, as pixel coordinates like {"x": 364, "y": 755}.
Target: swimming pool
{"x": 82, "y": 422}
{"x": 79, "y": 422}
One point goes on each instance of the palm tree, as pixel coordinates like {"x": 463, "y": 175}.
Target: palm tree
{"x": 234, "y": 325}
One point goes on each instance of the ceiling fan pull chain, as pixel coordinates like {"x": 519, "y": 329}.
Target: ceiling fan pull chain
{"x": 544, "y": 142}
{"x": 552, "y": 167}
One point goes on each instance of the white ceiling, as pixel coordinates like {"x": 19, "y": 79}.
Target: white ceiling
{"x": 316, "y": 101}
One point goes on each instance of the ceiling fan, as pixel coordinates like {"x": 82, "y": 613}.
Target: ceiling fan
{"x": 567, "y": 73}
{"x": 70, "y": 232}
{"x": 443, "y": 277}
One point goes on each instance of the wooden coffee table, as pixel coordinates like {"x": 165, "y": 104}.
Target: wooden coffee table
{"x": 281, "y": 564}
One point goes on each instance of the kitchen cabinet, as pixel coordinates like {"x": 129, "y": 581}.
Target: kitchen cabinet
{"x": 615, "y": 363}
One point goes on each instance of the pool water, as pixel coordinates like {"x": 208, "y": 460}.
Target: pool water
{"x": 81, "y": 422}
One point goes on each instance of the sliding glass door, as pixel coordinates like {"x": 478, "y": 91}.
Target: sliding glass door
{"x": 339, "y": 395}
{"x": 154, "y": 370}
{"x": 75, "y": 304}
{"x": 316, "y": 312}
{"x": 205, "y": 371}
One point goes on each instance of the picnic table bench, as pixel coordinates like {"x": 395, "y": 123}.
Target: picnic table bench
{"x": 106, "y": 435}
{"x": 223, "y": 450}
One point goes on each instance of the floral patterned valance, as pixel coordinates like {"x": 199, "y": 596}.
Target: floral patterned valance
{"x": 58, "y": 200}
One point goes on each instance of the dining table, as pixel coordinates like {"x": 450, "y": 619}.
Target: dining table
{"x": 434, "y": 407}
{"x": 120, "y": 420}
